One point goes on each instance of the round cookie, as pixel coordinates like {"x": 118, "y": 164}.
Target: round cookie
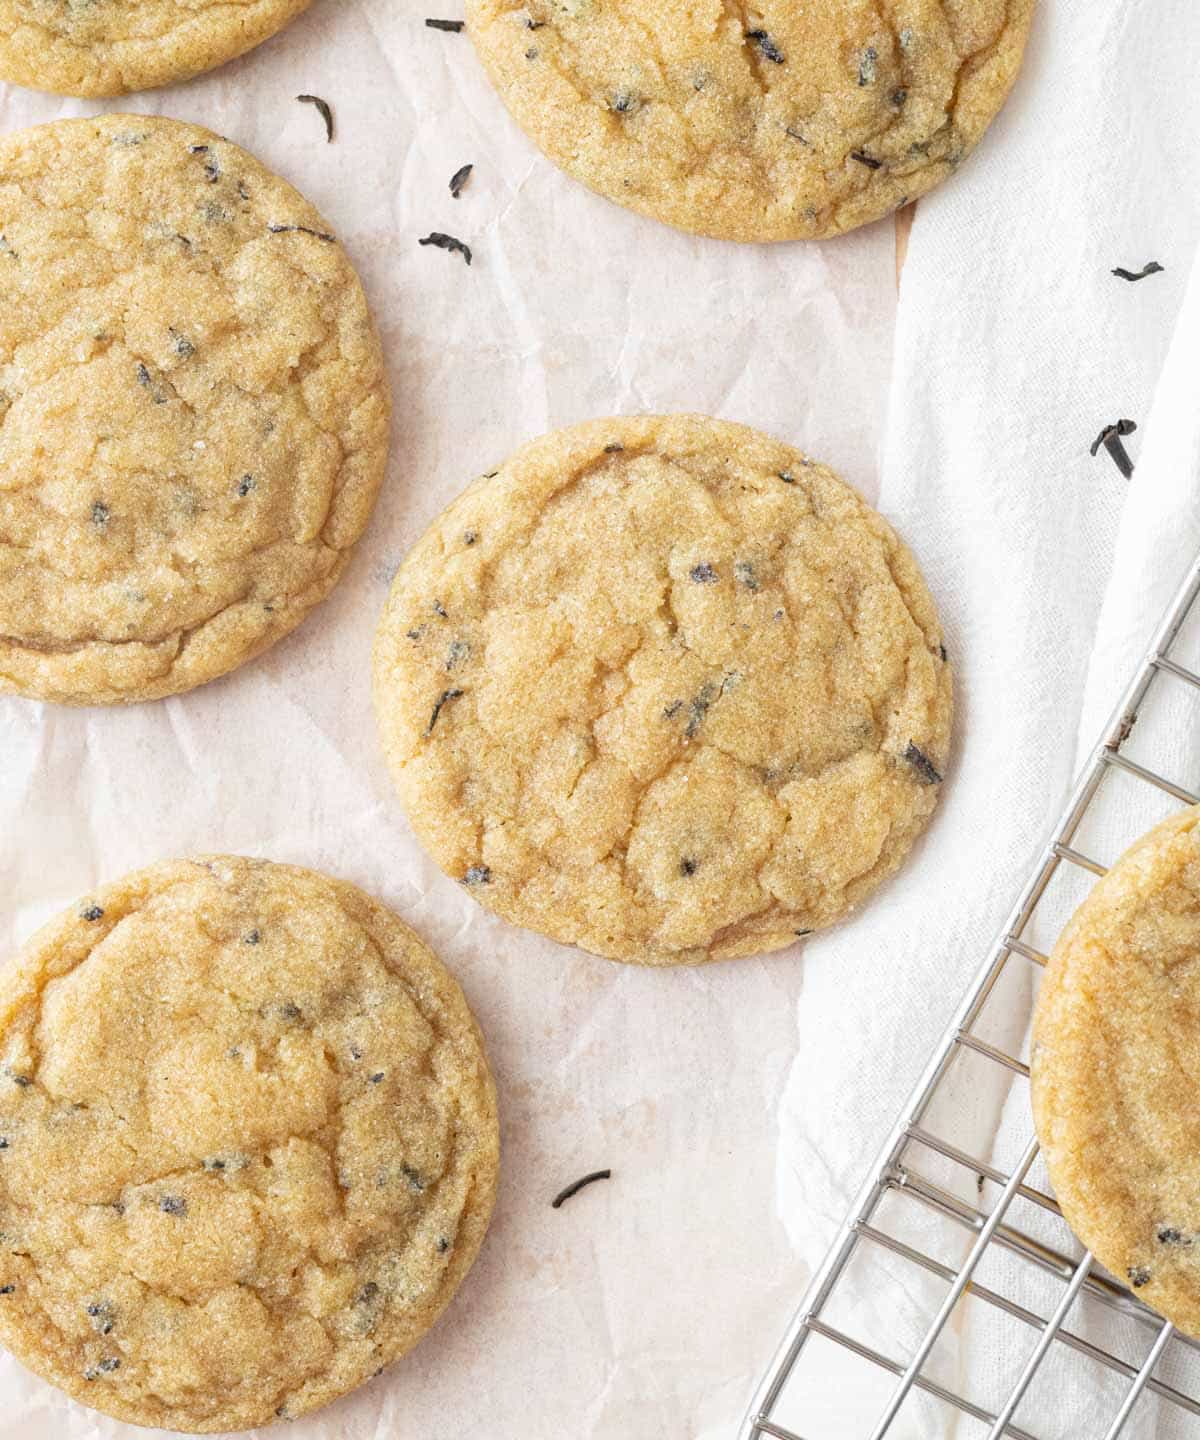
{"x": 110, "y": 47}
{"x": 248, "y": 1144}
{"x": 193, "y": 410}
{"x": 790, "y": 121}
{"x": 1116, "y": 1056}
{"x": 663, "y": 688}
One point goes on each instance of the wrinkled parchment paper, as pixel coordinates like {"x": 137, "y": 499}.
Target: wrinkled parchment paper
{"x": 645, "y": 1307}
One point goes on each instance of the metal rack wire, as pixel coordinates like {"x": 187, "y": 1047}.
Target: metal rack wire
{"x": 926, "y": 1185}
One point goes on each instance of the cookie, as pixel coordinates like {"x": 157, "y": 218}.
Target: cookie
{"x": 193, "y": 410}
{"x": 665, "y": 689}
{"x": 110, "y": 47}
{"x": 789, "y": 121}
{"x": 248, "y": 1144}
{"x": 1116, "y": 1054}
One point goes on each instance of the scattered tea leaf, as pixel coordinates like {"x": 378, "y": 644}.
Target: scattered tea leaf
{"x": 1110, "y": 438}
{"x": 577, "y": 1185}
{"x": 323, "y": 110}
{"x": 459, "y": 179}
{"x": 446, "y": 242}
{"x": 1152, "y": 268}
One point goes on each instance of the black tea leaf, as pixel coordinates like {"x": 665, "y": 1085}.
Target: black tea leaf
{"x": 577, "y": 1185}
{"x": 323, "y": 109}
{"x": 446, "y": 242}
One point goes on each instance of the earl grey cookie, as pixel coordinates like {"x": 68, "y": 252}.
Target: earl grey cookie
{"x": 248, "y": 1144}
{"x": 1115, "y": 1062}
{"x": 193, "y": 410}
{"x": 779, "y": 121}
{"x": 111, "y": 47}
{"x": 664, "y": 688}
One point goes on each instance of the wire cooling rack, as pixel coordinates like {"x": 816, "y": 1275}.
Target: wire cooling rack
{"x": 955, "y": 1301}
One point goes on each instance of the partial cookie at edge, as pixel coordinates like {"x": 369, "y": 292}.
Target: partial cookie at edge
{"x": 122, "y": 46}
{"x": 791, "y": 122}
{"x": 1116, "y": 1052}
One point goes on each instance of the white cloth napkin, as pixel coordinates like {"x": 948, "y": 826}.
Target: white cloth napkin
{"x": 1015, "y": 345}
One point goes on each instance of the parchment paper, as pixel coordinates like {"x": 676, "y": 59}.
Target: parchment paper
{"x": 645, "y": 1307}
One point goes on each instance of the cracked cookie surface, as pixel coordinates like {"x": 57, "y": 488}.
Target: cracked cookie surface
{"x": 112, "y": 47}
{"x": 663, "y": 688}
{"x": 193, "y": 409}
{"x": 248, "y": 1144}
{"x": 1116, "y": 1057}
{"x": 787, "y": 120}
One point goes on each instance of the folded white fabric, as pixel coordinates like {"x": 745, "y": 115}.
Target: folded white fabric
{"x": 1015, "y": 345}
